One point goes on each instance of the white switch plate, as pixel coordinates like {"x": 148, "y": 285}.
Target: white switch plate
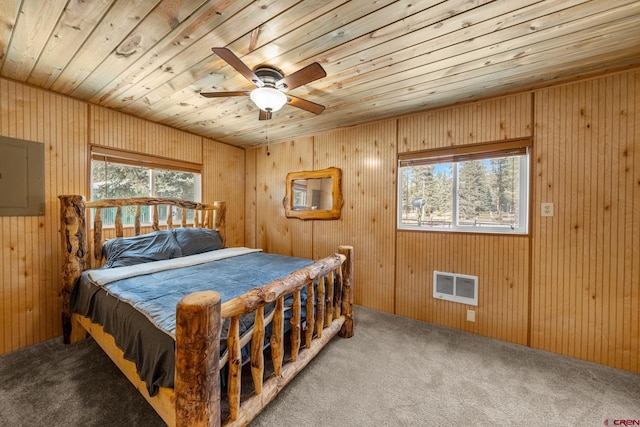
{"x": 546, "y": 209}
{"x": 471, "y": 316}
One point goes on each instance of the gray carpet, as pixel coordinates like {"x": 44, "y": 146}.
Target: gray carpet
{"x": 393, "y": 372}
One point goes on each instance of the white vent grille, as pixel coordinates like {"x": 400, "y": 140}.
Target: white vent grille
{"x": 455, "y": 287}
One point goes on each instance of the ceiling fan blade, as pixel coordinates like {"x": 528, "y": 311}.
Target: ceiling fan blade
{"x": 303, "y": 76}
{"x": 305, "y": 105}
{"x": 237, "y": 63}
{"x": 223, "y": 94}
{"x": 264, "y": 115}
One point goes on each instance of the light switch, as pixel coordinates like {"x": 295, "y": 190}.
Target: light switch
{"x": 546, "y": 209}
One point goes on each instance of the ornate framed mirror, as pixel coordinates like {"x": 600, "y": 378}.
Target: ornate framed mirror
{"x": 314, "y": 194}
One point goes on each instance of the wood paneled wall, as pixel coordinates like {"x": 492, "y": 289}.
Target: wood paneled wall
{"x": 250, "y": 198}
{"x": 274, "y": 232}
{"x": 30, "y": 265}
{"x": 110, "y": 128}
{"x": 571, "y": 286}
{"x": 493, "y": 120}
{"x": 30, "y": 301}
{"x": 500, "y": 262}
{"x": 367, "y": 157}
{"x": 586, "y": 258}
{"x": 223, "y": 179}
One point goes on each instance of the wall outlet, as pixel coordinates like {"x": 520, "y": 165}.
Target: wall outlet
{"x": 546, "y": 209}
{"x": 471, "y": 316}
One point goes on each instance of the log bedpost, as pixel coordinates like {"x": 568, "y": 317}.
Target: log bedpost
{"x": 234, "y": 386}
{"x": 257, "y": 353}
{"x": 119, "y": 226}
{"x": 219, "y": 222}
{"x": 75, "y": 252}
{"x": 97, "y": 235}
{"x": 136, "y": 221}
{"x": 197, "y": 376}
{"x": 347, "y": 291}
{"x": 311, "y": 321}
{"x": 295, "y": 326}
{"x": 320, "y": 307}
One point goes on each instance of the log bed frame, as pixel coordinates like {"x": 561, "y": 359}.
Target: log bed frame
{"x": 196, "y": 396}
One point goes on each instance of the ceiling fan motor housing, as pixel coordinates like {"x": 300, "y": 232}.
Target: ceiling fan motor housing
{"x": 270, "y": 76}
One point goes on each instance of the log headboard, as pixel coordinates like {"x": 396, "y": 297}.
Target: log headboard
{"x": 74, "y": 213}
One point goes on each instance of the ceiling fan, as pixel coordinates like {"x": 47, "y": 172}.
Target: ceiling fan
{"x": 271, "y": 85}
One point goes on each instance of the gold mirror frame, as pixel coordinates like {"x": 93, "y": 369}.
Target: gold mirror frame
{"x": 336, "y": 195}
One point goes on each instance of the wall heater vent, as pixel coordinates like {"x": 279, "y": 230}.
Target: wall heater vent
{"x": 455, "y": 287}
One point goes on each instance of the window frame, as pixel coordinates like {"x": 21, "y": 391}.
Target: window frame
{"x": 134, "y": 159}
{"x": 455, "y": 155}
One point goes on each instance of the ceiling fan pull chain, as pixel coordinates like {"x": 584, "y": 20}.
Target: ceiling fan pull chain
{"x": 267, "y": 132}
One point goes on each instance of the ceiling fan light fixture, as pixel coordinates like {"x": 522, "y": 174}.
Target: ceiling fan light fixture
{"x": 268, "y": 98}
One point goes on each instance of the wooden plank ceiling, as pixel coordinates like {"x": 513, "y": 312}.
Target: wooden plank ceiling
{"x": 152, "y": 58}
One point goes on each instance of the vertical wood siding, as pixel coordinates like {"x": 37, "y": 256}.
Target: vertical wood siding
{"x": 274, "y": 232}
{"x": 223, "y": 179}
{"x": 250, "y": 198}
{"x": 493, "y": 120}
{"x": 116, "y": 130}
{"x": 30, "y": 246}
{"x": 500, "y": 262}
{"x": 572, "y": 286}
{"x": 367, "y": 157}
{"x": 581, "y": 267}
{"x": 586, "y": 261}
{"x": 30, "y": 304}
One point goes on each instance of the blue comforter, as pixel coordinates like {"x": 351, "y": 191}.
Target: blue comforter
{"x": 124, "y": 307}
{"x": 158, "y": 294}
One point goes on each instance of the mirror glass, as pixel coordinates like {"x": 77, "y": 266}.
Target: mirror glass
{"x": 314, "y": 194}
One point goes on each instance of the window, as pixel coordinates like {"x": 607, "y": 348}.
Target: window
{"x": 475, "y": 188}
{"x": 300, "y": 194}
{"x": 116, "y": 174}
